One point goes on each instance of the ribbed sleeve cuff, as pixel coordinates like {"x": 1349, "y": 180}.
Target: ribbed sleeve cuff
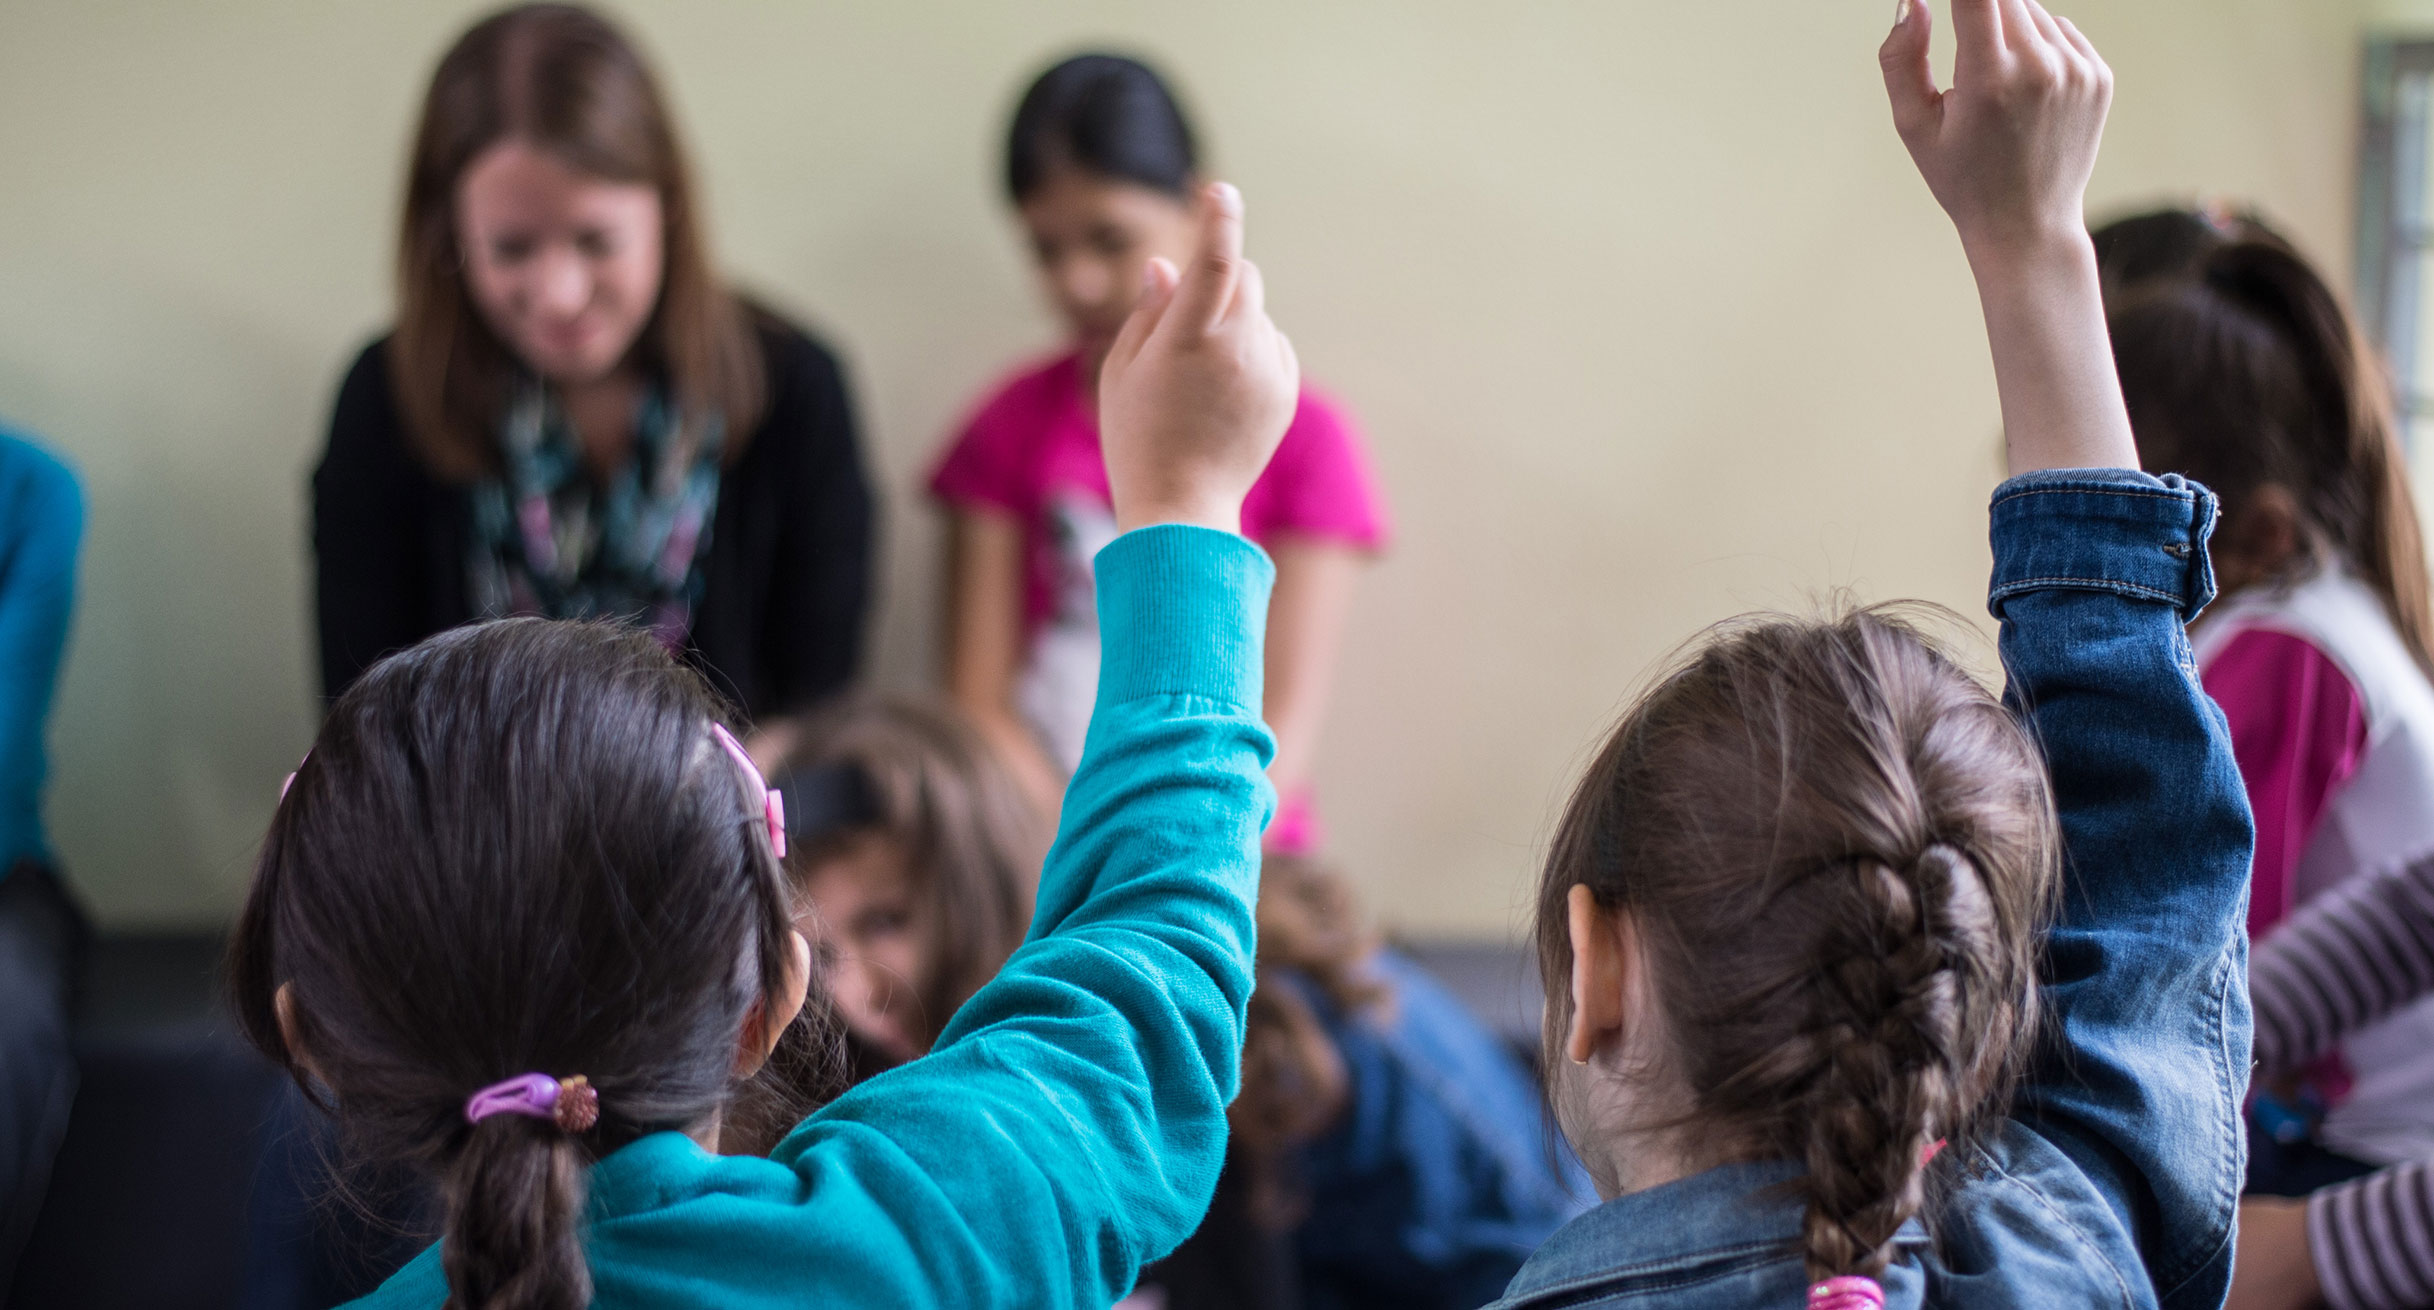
{"x": 2119, "y": 530}
{"x": 1182, "y": 611}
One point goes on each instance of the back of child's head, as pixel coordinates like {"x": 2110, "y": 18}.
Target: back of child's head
{"x": 1105, "y": 115}
{"x": 2137, "y": 249}
{"x": 1834, "y": 848}
{"x": 914, "y": 773}
{"x": 2244, "y": 372}
{"x": 516, "y": 848}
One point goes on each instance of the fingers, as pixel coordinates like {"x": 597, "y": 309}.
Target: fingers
{"x": 1158, "y": 280}
{"x": 2019, "y": 27}
{"x": 1977, "y": 32}
{"x": 1250, "y": 295}
{"x": 1207, "y": 288}
{"x": 2079, "y": 42}
{"x": 1909, "y": 77}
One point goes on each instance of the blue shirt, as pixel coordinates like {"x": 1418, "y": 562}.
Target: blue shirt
{"x": 1069, "y": 1124}
{"x": 1445, "y": 1172}
{"x": 41, "y": 520}
{"x": 2115, "y": 1178}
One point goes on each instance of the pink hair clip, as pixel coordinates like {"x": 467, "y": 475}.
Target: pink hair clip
{"x": 569, "y": 1103}
{"x": 1849, "y": 1292}
{"x": 773, "y": 807}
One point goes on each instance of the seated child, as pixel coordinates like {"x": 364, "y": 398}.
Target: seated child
{"x": 1864, "y": 987}
{"x": 1387, "y": 1149}
{"x": 2243, "y": 370}
{"x": 521, "y": 921}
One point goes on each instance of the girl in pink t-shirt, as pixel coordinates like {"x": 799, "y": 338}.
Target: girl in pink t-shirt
{"x": 1102, "y": 168}
{"x": 2243, "y": 371}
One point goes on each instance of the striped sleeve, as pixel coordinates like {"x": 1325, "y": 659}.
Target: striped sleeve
{"x": 2372, "y": 1240}
{"x": 2347, "y": 958}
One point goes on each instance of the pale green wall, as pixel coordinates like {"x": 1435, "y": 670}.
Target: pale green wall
{"x": 1648, "y": 316}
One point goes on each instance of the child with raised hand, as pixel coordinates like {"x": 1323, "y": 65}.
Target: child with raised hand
{"x": 1863, "y": 985}
{"x": 520, "y": 920}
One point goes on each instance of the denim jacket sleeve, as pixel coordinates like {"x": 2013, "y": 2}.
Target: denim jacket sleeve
{"x": 2139, "y": 1071}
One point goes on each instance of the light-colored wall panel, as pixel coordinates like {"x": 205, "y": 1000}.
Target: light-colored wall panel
{"x": 1647, "y": 315}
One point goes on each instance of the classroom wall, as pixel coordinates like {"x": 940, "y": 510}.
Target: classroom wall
{"x": 1647, "y": 315}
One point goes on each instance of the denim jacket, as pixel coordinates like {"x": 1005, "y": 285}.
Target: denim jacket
{"x": 2115, "y": 1176}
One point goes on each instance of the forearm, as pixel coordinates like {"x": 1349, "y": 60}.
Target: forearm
{"x": 2053, "y": 357}
{"x": 2371, "y": 1241}
{"x": 2347, "y": 959}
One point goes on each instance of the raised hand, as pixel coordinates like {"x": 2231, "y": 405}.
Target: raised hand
{"x": 2008, "y": 150}
{"x": 1199, "y": 386}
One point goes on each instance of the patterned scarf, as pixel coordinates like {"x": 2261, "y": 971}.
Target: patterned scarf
{"x": 549, "y": 539}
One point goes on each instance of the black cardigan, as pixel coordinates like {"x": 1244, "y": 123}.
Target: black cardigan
{"x": 786, "y": 586}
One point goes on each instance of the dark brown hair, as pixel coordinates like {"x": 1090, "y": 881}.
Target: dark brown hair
{"x": 561, "y": 79}
{"x": 1294, "y": 1085}
{"x": 971, "y": 839}
{"x": 2245, "y": 372}
{"x": 1835, "y": 849}
{"x": 515, "y": 848}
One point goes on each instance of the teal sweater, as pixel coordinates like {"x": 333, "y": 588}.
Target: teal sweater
{"x": 1068, "y": 1126}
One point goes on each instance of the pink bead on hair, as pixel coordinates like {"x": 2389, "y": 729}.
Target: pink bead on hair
{"x": 1849, "y": 1292}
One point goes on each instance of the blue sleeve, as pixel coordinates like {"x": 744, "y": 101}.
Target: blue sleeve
{"x": 2139, "y": 1071}
{"x": 1068, "y": 1126}
{"x": 41, "y": 522}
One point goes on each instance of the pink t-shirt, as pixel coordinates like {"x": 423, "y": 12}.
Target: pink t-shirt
{"x": 1032, "y": 451}
{"x": 2298, "y": 730}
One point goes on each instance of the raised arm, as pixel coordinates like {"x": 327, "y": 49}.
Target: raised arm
{"x": 2097, "y": 567}
{"x": 1069, "y": 1124}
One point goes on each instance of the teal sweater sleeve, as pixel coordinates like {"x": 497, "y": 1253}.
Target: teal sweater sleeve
{"x": 1069, "y": 1124}
{"x": 41, "y": 520}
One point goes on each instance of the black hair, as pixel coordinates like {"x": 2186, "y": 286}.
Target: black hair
{"x": 515, "y": 848}
{"x": 1106, "y": 115}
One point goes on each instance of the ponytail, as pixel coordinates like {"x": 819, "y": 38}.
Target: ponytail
{"x": 514, "y": 1198}
{"x": 2248, "y": 373}
{"x": 1892, "y": 1032}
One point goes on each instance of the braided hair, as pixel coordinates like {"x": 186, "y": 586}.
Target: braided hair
{"x": 1836, "y": 848}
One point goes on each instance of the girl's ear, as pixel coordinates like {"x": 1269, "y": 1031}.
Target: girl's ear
{"x": 1598, "y": 966}
{"x": 766, "y": 1021}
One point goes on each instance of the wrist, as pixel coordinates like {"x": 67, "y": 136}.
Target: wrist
{"x": 2029, "y": 255}
{"x": 1221, "y": 513}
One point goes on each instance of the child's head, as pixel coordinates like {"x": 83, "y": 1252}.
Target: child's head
{"x": 1101, "y": 164}
{"x": 913, "y": 867}
{"x": 2165, "y": 243}
{"x": 1789, "y": 914}
{"x": 2245, "y": 373}
{"x": 518, "y": 848}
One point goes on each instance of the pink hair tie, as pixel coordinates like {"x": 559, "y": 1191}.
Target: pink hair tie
{"x": 1849, "y": 1292}
{"x": 568, "y": 1102}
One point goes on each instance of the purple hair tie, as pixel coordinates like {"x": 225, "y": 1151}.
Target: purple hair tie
{"x": 1849, "y": 1292}
{"x": 568, "y": 1102}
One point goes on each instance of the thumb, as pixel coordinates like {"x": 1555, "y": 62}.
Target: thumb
{"x": 1909, "y": 78}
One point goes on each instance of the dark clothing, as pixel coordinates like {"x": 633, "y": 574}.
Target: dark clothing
{"x": 788, "y": 576}
{"x": 42, "y": 938}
